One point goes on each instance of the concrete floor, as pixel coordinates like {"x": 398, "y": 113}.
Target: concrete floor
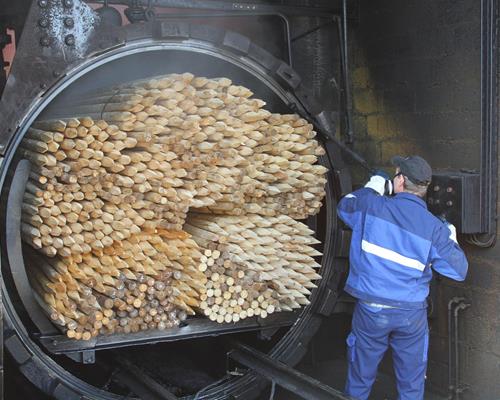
{"x": 324, "y": 361}
{"x": 333, "y": 373}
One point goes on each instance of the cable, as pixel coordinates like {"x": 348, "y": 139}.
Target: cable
{"x": 273, "y": 389}
{"x": 479, "y": 240}
{"x": 206, "y": 388}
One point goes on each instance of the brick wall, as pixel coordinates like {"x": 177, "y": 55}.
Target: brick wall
{"x": 416, "y": 89}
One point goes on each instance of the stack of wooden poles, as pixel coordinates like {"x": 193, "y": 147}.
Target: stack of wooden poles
{"x": 254, "y": 265}
{"x": 168, "y": 196}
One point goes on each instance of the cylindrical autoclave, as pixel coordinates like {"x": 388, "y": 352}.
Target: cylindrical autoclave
{"x": 65, "y": 379}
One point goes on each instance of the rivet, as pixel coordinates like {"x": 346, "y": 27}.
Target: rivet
{"x": 69, "y": 22}
{"x": 69, "y": 40}
{"x": 449, "y": 189}
{"x": 436, "y": 188}
{"x": 449, "y": 203}
{"x": 43, "y": 22}
{"x": 43, "y": 3}
{"x": 68, "y": 3}
{"x": 45, "y": 41}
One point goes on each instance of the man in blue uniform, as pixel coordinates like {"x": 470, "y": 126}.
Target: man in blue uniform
{"x": 395, "y": 243}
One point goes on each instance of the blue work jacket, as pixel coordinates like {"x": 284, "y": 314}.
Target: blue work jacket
{"x": 395, "y": 243}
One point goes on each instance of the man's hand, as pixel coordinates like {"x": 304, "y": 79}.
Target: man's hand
{"x": 381, "y": 183}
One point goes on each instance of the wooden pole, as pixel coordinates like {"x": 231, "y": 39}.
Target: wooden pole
{"x": 168, "y": 196}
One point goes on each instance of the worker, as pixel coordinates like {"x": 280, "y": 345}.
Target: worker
{"x": 395, "y": 243}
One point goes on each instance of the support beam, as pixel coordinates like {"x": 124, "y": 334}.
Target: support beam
{"x": 284, "y": 375}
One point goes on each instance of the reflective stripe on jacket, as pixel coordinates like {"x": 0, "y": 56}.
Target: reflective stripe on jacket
{"x": 395, "y": 241}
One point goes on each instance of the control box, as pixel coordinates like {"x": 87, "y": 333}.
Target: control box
{"x": 455, "y": 196}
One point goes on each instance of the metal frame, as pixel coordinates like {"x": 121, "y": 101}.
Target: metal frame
{"x": 283, "y": 375}
{"x": 15, "y": 254}
{"x": 229, "y": 14}
{"x": 191, "y": 329}
{"x": 243, "y": 6}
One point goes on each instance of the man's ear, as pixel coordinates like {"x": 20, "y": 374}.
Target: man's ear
{"x": 398, "y": 184}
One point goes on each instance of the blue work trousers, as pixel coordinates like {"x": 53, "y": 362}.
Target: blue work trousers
{"x": 373, "y": 330}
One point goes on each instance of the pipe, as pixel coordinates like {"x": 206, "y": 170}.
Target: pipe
{"x": 139, "y": 382}
{"x": 489, "y": 121}
{"x": 451, "y": 387}
{"x": 282, "y": 374}
{"x": 345, "y": 63}
{"x": 458, "y": 390}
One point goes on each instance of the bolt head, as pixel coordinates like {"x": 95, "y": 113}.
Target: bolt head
{"x": 69, "y": 40}
{"x": 68, "y": 3}
{"x": 45, "y": 41}
{"x": 436, "y": 188}
{"x": 449, "y": 203}
{"x": 69, "y": 22}
{"x": 449, "y": 189}
{"x": 43, "y": 3}
{"x": 43, "y": 22}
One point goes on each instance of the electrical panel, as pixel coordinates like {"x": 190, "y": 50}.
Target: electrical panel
{"x": 455, "y": 196}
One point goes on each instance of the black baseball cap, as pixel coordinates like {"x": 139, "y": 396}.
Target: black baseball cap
{"x": 415, "y": 168}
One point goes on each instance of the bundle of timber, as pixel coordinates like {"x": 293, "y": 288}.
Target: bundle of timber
{"x": 114, "y": 176}
{"x": 149, "y": 281}
{"x": 253, "y": 265}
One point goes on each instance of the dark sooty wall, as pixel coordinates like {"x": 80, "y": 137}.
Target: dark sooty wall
{"x": 416, "y": 89}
